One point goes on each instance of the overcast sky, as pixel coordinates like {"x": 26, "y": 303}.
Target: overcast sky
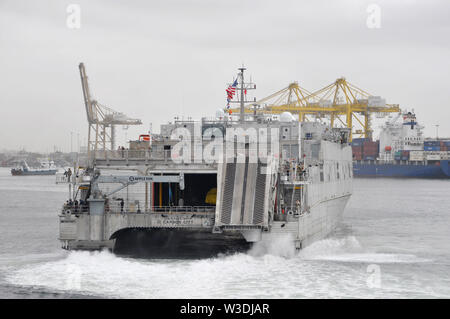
{"x": 158, "y": 59}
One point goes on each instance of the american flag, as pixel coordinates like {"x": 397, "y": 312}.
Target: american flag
{"x": 231, "y": 91}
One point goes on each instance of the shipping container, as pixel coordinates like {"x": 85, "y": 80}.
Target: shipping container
{"x": 433, "y": 157}
{"x": 432, "y": 148}
{"x": 444, "y": 155}
{"x": 416, "y": 155}
{"x": 431, "y": 143}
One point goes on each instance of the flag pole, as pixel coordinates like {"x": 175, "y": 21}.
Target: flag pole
{"x": 242, "y": 118}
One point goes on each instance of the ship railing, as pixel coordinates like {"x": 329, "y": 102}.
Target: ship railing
{"x": 117, "y": 208}
{"x": 75, "y": 208}
{"x": 142, "y": 156}
{"x": 63, "y": 178}
{"x": 186, "y": 209}
{"x": 127, "y": 155}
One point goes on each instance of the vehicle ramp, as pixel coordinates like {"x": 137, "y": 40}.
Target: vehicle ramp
{"x": 244, "y": 195}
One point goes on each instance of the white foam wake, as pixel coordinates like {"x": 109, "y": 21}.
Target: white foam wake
{"x": 270, "y": 270}
{"x": 281, "y": 246}
{"x": 349, "y": 249}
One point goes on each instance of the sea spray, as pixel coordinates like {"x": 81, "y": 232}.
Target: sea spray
{"x": 276, "y": 245}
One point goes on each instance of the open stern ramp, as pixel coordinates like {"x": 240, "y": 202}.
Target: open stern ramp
{"x": 244, "y": 195}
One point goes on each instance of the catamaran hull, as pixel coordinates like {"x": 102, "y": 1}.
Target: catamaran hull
{"x": 199, "y": 241}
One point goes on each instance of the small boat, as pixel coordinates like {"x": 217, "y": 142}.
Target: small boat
{"x": 47, "y": 168}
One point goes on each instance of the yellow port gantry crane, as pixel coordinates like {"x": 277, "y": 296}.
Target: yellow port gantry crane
{"x": 334, "y": 101}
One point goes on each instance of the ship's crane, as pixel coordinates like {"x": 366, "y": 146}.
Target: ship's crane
{"x": 101, "y": 120}
{"x": 339, "y": 101}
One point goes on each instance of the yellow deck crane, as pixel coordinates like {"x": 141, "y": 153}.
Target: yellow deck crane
{"x": 335, "y": 101}
{"x": 101, "y": 120}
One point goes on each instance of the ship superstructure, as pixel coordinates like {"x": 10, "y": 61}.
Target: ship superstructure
{"x": 212, "y": 186}
{"x": 396, "y": 137}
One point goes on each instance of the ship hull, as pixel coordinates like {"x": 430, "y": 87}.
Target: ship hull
{"x": 320, "y": 222}
{"x": 178, "y": 243}
{"x": 32, "y": 173}
{"x": 439, "y": 170}
{"x": 152, "y": 241}
{"x": 199, "y": 243}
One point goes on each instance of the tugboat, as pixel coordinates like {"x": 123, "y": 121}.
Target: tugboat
{"x": 47, "y": 168}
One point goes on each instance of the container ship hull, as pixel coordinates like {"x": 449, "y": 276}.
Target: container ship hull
{"x": 370, "y": 169}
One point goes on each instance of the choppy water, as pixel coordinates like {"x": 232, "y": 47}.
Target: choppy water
{"x": 393, "y": 242}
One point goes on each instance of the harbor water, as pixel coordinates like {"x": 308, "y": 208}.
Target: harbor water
{"x": 394, "y": 242}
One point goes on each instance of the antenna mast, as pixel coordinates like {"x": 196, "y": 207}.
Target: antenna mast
{"x": 243, "y": 88}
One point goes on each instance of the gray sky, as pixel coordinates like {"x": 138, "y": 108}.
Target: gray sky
{"x": 158, "y": 59}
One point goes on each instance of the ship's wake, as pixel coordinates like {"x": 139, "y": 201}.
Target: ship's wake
{"x": 272, "y": 270}
{"x": 349, "y": 249}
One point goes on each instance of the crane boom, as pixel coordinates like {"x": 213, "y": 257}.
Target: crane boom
{"x": 336, "y": 100}
{"x": 86, "y": 93}
{"x": 101, "y": 120}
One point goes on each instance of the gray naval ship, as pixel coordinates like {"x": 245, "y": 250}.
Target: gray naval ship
{"x": 200, "y": 188}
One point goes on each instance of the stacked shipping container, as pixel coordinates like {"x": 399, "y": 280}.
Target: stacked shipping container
{"x": 365, "y": 149}
{"x": 370, "y": 150}
{"x": 445, "y": 146}
{"x": 432, "y": 146}
{"x": 416, "y": 156}
{"x": 357, "y": 152}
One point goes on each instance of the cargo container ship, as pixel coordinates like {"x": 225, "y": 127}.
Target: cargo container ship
{"x": 401, "y": 151}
